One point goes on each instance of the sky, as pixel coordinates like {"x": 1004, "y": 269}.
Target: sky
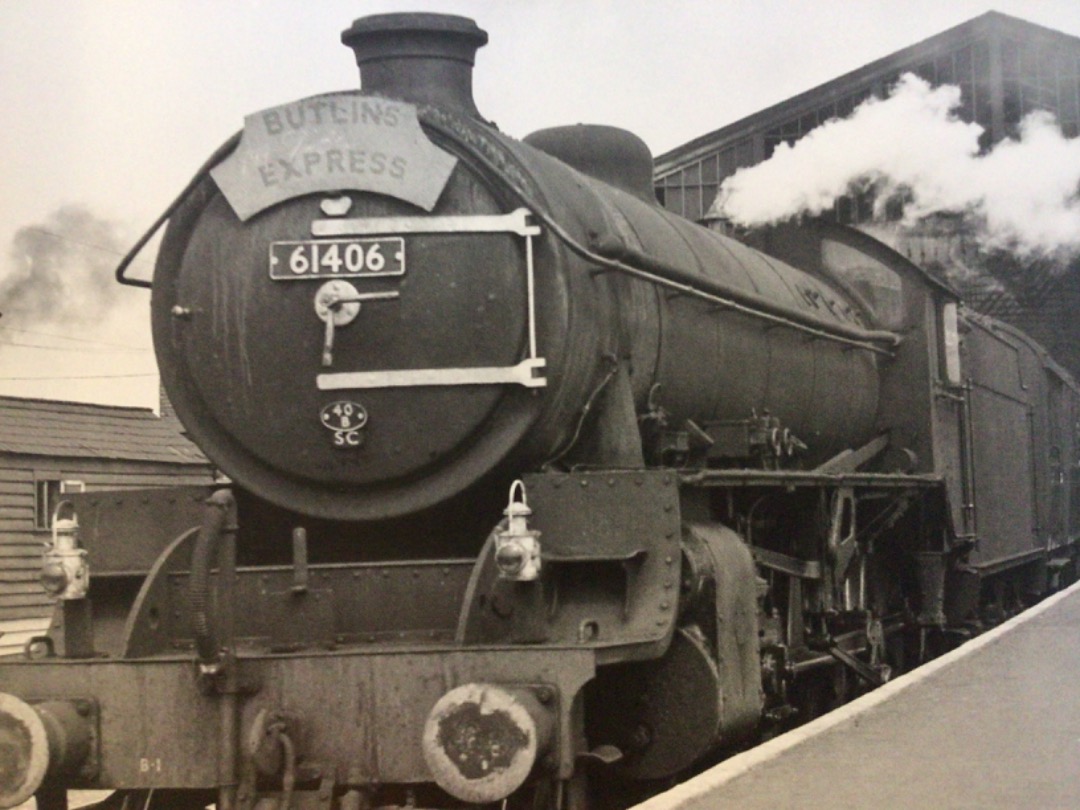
{"x": 111, "y": 106}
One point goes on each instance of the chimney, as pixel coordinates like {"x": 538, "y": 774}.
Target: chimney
{"x": 418, "y": 58}
{"x": 165, "y": 408}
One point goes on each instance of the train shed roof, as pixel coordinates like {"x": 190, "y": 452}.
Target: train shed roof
{"x": 992, "y": 23}
{"x": 39, "y": 427}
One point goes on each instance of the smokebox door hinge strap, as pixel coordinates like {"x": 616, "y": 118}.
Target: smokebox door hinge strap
{"x": 528, "y": 373}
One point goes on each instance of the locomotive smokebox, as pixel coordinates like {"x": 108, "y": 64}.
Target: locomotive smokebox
{"x": 419, "y": 58}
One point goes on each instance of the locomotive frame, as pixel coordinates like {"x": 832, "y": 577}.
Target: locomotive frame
{"x": 744, "y": 485}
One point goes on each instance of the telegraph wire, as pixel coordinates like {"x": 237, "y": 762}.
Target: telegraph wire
{"x": 75, "y": 339}
{"x": 84, "y": 349}
{"x": 88, "y": 377}
{"x": 61, "y": 237}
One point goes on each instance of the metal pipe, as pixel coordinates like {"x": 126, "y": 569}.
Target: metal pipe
{"x": 623, "y": 259}
{"x": 967, "y": 450}
{"x": 219, "y": 523}
{"x": 661, "y": 272}
{"x": 229, "y": 710}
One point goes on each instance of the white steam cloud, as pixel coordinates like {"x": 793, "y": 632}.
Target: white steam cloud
{"x": 1023, "y": 195}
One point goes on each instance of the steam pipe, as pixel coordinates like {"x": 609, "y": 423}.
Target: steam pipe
{"x": 622, "y": 259}
{"x": 219, "y": 520}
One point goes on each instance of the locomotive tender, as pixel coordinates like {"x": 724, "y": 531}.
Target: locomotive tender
{"x": 541, "y": 493}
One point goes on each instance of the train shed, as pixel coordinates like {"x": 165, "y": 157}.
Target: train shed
{"x": 1005, "y": 68}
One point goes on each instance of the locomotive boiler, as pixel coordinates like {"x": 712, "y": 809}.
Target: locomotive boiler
{"x": 536, "y": 491}
{"x": 468, "y": 337}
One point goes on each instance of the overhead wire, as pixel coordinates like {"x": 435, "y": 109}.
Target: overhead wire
{"x": 63, "y": 238}
{"x": 83, "y": 377}
{"x": 84, "y": 349}
{"x": 36, "y": 333}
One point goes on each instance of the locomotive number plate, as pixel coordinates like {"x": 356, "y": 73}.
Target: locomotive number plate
{"x": 337, "y": 258}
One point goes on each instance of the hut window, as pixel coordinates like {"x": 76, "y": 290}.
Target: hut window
{"x": 46, "y": 497}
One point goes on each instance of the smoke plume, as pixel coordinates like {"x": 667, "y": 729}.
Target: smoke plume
{"x": 69, "y": 331}
{"x": 913, "y": 151}
{"x": 61, "y": 271}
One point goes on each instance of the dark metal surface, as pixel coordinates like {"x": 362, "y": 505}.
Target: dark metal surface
{"x": 611, "y": 568}
{"x": 1007, "y": 383}
{"x": 157, "y": 731}
{"x": 665, "y": 714}
{"x": 706, "y": 690}
{"x": 729, "y": 622}
{"x": 421, "y": 58}
{"x": 795, "y": 478}
{"x": 125, "y": 531}
{"x": 344, "y": 604}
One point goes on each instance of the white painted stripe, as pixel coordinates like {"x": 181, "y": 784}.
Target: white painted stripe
{"x": 712, "y": 779}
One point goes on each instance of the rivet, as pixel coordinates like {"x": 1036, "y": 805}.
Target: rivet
{"x": 611, "y": 482}
{"x": 668, "y": 507}
{"x": 584, "y": 483}
{"x": 668, "y": 560}
{"x": 664, "y": 605}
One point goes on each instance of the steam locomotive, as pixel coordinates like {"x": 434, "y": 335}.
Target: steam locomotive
{"x": 538, "y": 493}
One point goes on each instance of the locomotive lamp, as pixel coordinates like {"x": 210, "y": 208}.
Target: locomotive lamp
{"x": 517, "y": 547}
{"x": 65, "y": 573}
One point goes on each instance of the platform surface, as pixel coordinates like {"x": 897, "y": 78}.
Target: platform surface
{"x": 993, "y": 724}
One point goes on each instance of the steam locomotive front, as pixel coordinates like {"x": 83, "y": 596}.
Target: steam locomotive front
{"x": 371, "y": 303}
{"x": 377, "y": 301}
{"x": 346, "y": 311}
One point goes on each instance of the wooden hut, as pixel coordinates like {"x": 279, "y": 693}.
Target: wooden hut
{"x": 49, "y": 449}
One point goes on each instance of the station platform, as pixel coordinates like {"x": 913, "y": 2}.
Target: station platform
{"x": 992, "y": 724}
